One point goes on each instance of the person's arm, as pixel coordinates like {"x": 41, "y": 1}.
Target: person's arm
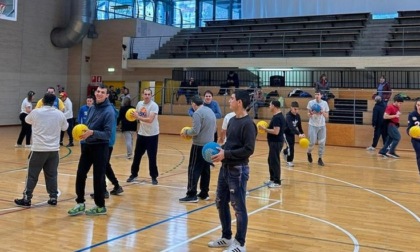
{"x": 216, "y": 110}
{"x": 80, "y": 115}
{"x": 190, "y": 111}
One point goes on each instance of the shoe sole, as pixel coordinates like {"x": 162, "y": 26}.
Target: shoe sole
{"x": 75, "y": 214}
{"x": 94, "y": 214}
{"x": 191, "y": 201}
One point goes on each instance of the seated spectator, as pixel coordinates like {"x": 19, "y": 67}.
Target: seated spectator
{"x": 188, "y": 88}
{"x": 257, "y": 101}
{"x": 231, "y": 80}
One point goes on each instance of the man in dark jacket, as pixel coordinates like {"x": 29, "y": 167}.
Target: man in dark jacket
{"x": 95, "y": 150}
{"x": 293, "y": 127}
{"x": 378, "y": 123}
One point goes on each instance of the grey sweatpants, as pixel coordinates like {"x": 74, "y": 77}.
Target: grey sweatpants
{"x": 317, "y": 134}
{"x": 48, "y": 162}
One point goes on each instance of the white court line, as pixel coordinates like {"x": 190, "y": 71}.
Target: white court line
{"x": 368, "y": 190}
{"x": 37, "y": 204}
{"x": 216, "y": 228}
{"x": 355, "y": 241}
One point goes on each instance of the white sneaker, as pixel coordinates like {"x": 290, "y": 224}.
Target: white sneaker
{"x": 18, "y": 146}
{"x": 274, "y": 185}
{"x": 268, "y": 182}
{"x": 290, "y": 164}
{"x": 370, "y": 148}
{"x": 235, "y": 247}
{"x": 129, "y": 156}
{"x": 220, "y": 243}
{"x": 28, "y": 146}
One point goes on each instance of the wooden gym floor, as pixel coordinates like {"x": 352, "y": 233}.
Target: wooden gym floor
{"x": 357, "y": 202}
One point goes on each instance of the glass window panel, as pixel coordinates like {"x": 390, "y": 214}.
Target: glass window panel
{"x": 206, "y": 11}
{"x": 187, "y": 10}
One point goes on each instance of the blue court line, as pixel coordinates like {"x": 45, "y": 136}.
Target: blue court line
{"x": 154, "y": 224}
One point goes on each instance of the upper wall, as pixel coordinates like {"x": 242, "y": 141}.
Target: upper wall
{"x": 28, "y": 60}
{"x": 290, "y": 8}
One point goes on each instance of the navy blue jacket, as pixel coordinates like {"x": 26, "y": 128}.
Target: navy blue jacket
{"x": 101, "y": 119}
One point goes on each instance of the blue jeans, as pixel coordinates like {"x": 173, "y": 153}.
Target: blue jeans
{"x": 393, "y": 139}
{"x": 231, "y": 187}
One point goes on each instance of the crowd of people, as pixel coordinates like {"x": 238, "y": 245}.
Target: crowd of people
{"x": 237, "y": 138}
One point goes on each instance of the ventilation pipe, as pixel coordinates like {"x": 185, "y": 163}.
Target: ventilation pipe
{"x": 81, "y": 17}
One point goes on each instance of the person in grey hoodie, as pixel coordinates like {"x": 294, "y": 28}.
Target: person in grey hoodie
{"x": 202, "y": 131}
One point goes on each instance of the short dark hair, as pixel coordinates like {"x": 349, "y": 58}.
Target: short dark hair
{"x": 48, "y": 99}
{"x": 398, "y": 98}
{"x": 276, "y": 104}
{"x": 208, "y": 92}
{"x": 197, "y": 100}
{"x": 243, "y": 95}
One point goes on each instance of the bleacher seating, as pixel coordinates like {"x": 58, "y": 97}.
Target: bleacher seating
{"x": 328, "y": 35}
{"x": 404, "y": 39}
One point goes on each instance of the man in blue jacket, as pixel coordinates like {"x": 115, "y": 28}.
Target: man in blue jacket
{"x": 95, "y": 151}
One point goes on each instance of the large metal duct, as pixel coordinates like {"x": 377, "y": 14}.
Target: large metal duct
{"x": 81, "y": 17}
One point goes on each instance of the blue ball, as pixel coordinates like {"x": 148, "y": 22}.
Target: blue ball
{"x": 210, "y": 149}
{"x": 316, "y": 108}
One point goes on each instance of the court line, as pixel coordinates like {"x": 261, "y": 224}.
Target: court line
{"x": 217, "y": 228}
{"x": 354, "y": 240}
{"x": 368, "y": 190}
{"x": 153, "y": 225}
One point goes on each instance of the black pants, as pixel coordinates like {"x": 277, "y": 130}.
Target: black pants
{"x": 274, "y": 161}
{"x": 109, "y": 172}
{"x": 69, "y": 130}
{"x": 96, "y": 155}
{"x": 143, "y": 144}
{"x": 290, "y": 151}
{"x": 198, "y": 167}
{"x": 26, "y": 130}
{"x": 380, "y": 130}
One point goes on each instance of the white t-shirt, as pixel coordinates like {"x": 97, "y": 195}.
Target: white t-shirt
{"x": 68, "y": 108}
{"x": 318, "y": 120}
{"x": 47, "y": 123}
{"x": 226, "y": 122}
{"x": 25, "y": 104}
{"x": 145, "y": 110}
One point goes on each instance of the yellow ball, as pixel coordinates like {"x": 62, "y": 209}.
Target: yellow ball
{"x": 186, "y": 137}
{"x": 263, "y": 124}
{"x": 79, "y": 130}
{"x": 129, "y": 116}
{"x": 304, "y": 142}
{"x": 414, "y": 131}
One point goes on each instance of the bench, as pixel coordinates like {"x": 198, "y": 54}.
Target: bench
{"x": 401, "y": 50}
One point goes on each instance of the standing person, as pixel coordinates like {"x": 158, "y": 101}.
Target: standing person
{"x": 68, "y": 113}
{"x": 83, "y": 111}
{"x": 128, "y": 128}
{"x": 378, "y": 123}
{"x": 95, "y": 151}
{"x": 125, "y": 93}
{"x": 112, "y": 95}
{"x": 189, "y": 89}
{"x": 147, "y": 136}
{"x": 383, "y": 90}
{"x": 317, "y": 129}
{"x": 57, "y": 103}
{"x": 47, "y": 123}
{"x": 26, "y": 130}
{"x": 392, "y": 114}
{"x": 109, "y": 172}
{"x": 414, "y": 120}
{"x": 202, "y": 132}
{"x": 226, "y": 119}
{"x": 275, "y": 139}
{"x": 234, "y": 173}
{"x": 323, "y": 86}
{"x": 213, "y": 105}
{"x": 293, "y": 127}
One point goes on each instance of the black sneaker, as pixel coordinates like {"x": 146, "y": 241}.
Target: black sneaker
{"x": 203, "y": 197}
{"x": 154, "y": 181}
{"x": 106, "y": 195}
{"x": 131, "y": 178}
{"x": 23, "y": 202}
{"x": 70, "y": 145}
{"x": 116, "y": 190}
{"x": 189, "y": 199}
{"x": 392, "y": 155}
{"x": 309, "y": 157}
{"x": 52, "y": 201}
{"x": 384, "y": 155}
{"x": 320, "y": 162}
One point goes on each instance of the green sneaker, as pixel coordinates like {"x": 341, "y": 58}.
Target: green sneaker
{"x": 78, "y": 209}
{"x": 96, "y": 211}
